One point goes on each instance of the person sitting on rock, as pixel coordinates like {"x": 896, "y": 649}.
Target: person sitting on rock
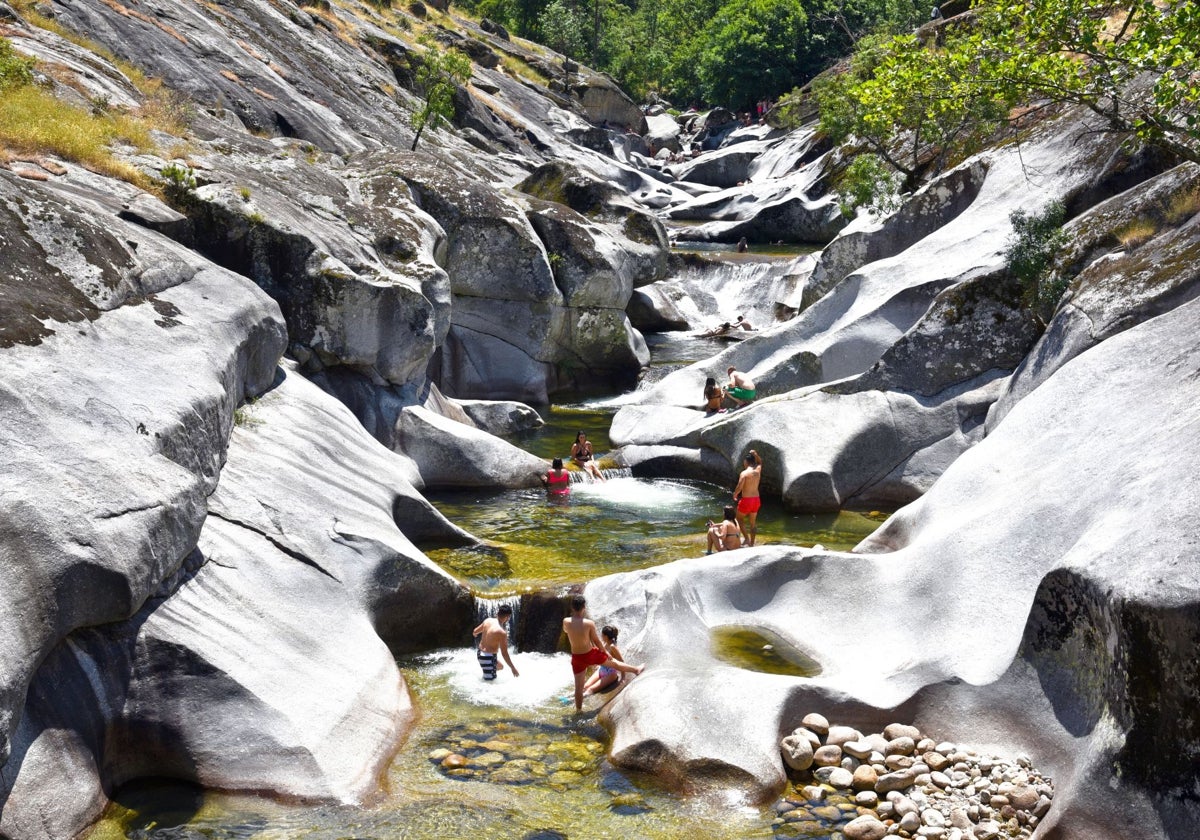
{"x": 557, "y": 479}
{"x": 740, "y": 388}
{"x": 582, "y": 455}
{"x": 494, "y": 643}
{"x": 606, "y": 677}
{"x": 714, "y": 396}
{"x": 725, "y": 535}
{"x": 586, "y": 648}
{"x": 743, "y": 324}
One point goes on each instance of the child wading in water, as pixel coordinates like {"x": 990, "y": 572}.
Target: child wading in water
{"x": 606, "y": 677}
{"x": 493, "y": 643}
{"x": 587, "y": 649}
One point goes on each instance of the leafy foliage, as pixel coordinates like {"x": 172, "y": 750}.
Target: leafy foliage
{"x": 868, "y": 182}
{"x": 1036, "y": 240}
{"x": 920, "y": 105}
{"x": 562, "y": 28}
{"x": 15, "y": 69}
{"x": 749, "y": 46}
{"x": 438, "y": 75}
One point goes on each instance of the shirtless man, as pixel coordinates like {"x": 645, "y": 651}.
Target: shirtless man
{"x": 740, "y": 388}
{"x": 494, "y": 642}
{"x": 747, "y": 497}
{"x": 587, "y": 649}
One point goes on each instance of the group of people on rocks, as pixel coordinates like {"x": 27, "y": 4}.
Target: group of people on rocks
{"x": 739, "y": 390}
{"x": 725, "y": 328}
{"x": 739, "y": 527}
{"x": 590, "y": 647}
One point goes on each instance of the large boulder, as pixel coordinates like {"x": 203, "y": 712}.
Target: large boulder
{"x": 129, "y": 353}
{"x": 1139, "y": 253}
{"x": 261, "y": 664}
{"x": 604, "y": 102}
{"x": 662, "y": 132}
{"x": 452, "y": 454}
{"x": 1019, "y": 618}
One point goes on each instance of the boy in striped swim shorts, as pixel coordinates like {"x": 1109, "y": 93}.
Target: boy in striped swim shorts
{"x": 494, "y": 643}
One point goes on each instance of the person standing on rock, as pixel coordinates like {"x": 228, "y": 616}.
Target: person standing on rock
{"x": 740, "y": 388}
{"x": 587, "y": 649}
{"x": 494, "y": 643}
{"x": 582, "y": 455}
{"x": 747, "y": 497}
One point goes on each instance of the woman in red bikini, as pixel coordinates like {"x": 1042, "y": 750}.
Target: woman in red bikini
{"x": 747, "y": 498}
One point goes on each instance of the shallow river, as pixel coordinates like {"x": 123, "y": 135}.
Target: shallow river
{"x": 533, "y": 768}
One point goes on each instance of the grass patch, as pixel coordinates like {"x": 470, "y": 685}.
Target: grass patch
{"x": 519, "y": 69}
{"x": 1183, "y": 206}
{"x": 33, "y": 121}
{"x": 1136, "y": 233}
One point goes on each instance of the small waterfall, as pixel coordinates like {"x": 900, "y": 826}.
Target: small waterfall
{"x": 488, "y": 607}
{"x": 582, "y": 476}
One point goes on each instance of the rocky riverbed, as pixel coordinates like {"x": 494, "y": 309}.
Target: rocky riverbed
{"x": 901, "y": 782}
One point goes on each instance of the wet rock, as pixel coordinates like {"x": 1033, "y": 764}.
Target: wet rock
{"x": 454, "y": 761}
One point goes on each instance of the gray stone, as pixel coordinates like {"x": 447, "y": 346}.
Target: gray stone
{"x": 797, "y": 752}
{"x": 897, "y": 781}
{"x": 864, "y": 828}
{"x": 841, "y": 778}
{"x": 815, "y": 723}
{"x": 839, "y": 735}
{"x": 893, "y": 731}
{"x": 827, "y": 756}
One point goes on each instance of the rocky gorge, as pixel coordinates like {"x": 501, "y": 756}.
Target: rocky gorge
{"x": 225, "y": 398}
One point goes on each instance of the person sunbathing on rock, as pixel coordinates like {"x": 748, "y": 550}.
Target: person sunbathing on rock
{"x": 725, "y": 535}
{"x": 714, "y": 396}
{"x": 582, "y": 455}
{"x": 716, "y": 331}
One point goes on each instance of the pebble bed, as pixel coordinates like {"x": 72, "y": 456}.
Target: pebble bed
{"x": 520, "y": 753}
{"x": 901, "y": 783}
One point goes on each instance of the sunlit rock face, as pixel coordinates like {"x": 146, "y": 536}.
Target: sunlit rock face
{"x": 1029, "y": 602}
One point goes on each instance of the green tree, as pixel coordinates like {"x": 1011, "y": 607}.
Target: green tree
{"x": 1037, "y": 239}
{"x": 15, "y": 69}
{"x": 1133, "y": 64}
{"x": 563, "y": 29}
{"x": 752, "y": 49}
{"x": 438, "y": 75}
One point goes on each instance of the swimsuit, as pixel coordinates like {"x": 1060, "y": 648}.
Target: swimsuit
{"x": 487, "y": 661}
{"x": 605, "y": 672}
{"x": 740, "y": 393}
{"x": 749, "y": 504}
{"x": 564, "y": 478}
{"x": 580, "y": 662}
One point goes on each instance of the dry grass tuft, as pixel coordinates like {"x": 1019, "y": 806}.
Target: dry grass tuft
{"x": 1183, "y": 206}
{"x": 1136, "y": 233}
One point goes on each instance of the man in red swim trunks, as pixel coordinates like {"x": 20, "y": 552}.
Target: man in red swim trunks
{"x": 587, "y": 649}
{"x": 747, "y": 497}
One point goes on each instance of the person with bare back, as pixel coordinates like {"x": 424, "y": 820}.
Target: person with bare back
{"x": 493, "y": 643}
{"x": 587, "y": 649}
{"x": 747, "y": 497}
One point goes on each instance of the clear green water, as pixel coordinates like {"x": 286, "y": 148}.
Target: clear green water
{"x": 530, "y": 765}
{"x": 535, "y": 540}
{"x": 527, "y": 766}
{"x": 759, "y": 650}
